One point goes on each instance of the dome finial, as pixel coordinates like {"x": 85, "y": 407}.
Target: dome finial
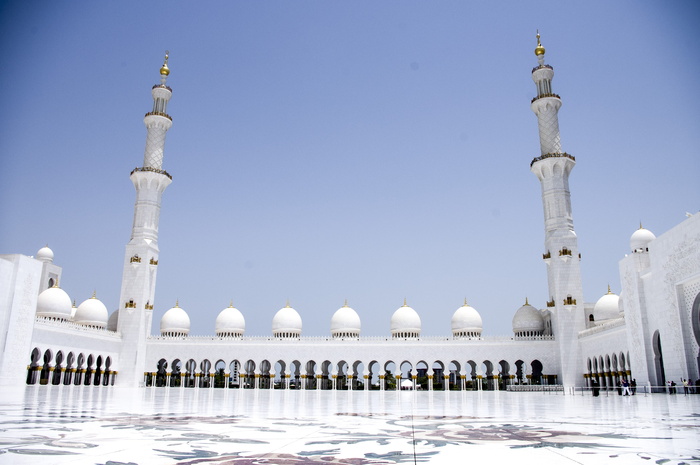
{"x": 346, "y": 303}
{"x": 539, "y": 50}
{"x": 177, "y": 303}
{"x": 404, "y": 302}
{"x": 465, "y": 301}
{"x": 164, "y": 70}
{"x": 609, "y": 291}
{"x": 94, "y": 294}
{"x": 526, "y": 302}
{"x": 230, "y": 305}
{"x": 287, "y": 304}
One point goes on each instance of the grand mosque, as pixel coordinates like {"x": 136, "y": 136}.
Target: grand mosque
{"x": 650, "y": 332}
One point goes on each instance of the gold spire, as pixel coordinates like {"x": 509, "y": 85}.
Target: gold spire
{"x": 526, "y": 302}
{"x": 177, "y": 303}
{"x": 539, "y": 50}
{"x": 465, "y": 302}
{"x": 346, "y": 303}
{"x": 164, "y": 70}
{"x": 609, "y": 291}
{"x": 287, "y": 304}
{"x": 94, "y": 294}
{"x": 404, "y": 302}
{"x": 231, "y": 304}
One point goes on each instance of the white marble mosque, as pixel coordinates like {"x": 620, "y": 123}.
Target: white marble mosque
{"x": 649, "y": 332}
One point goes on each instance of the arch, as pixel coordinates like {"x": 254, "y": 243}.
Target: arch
{"x": 97, "y": 381}
{"x": 455, "y": 381}
{"x": 536, "y": 366}
{"x": 520, "y": 372}
{"x": 295, "y": 374}
{"x": 89, "y": 370}
{"x": 220, "y": 374}
{"x": 46, "y": 368}
{"x": 107, "y": 379}
{"x": 358, "y": 373}
{"x": 175, "y": 373}
{"x": 205, "y": 374}
{"x": 422, "y": 376}
{"x": 234, "y": 380}
{"x": 249, "y": 373}
{"x": 438, "y": 372}
{"x": 342, "y": 375}
{"x": 373, "y": 374}
{"x": 280, "y": 374}
{"x": 487, "y": 369}
{"x": 161, "y": 372}
{"x": 658, "y": 360}
{"x": 34, "y": 365}
{"x": 326, "y": 380}
{"x": 406, "y": 371}
{"x": 504, "y": 374}
{"x": 190, "y": 372}
{"x": 68, "y": 376}
{"x": 79, "y": 370}
{"x": 57, "y": 372}
{"x": 265, "y": 367}
{"x": 311, "y": 375}
{"x": 695, "y": 326}
{"x": 389, "y": 378}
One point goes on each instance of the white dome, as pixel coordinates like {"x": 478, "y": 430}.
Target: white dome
{"x": 345, "y": 322}
{"x": 466, "y": 321}
{"x": 607, "y": 307}
{"x": 286, "y": 323}
{"x": 113, "y": 321}
{"x": 405, "y": 322}
{"x": 175, "y": 322}
{"x": 92, "y": 312}
{"x": 528, "y": 321}
{"x": 54, "y": 303}
{"x": 230, "y": 322}
{"x": 639, "y": 242}
{"x": 45, "y": 254}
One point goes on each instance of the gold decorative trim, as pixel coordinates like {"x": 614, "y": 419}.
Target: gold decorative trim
{"x": 135, "y": 259}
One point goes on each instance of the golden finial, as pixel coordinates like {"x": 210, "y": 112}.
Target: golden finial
{"x": 539, "y": 50}
{"x": 287, "y": 304}
{"x": 74, "y": 302}
{"x": 230, "y": 305}
{"x": 164, "y": 70}
{"x": 526, "y": 302}
{"x": 640, "y": 225}
{"x": 94, "y": 294}
{"x": 177, "y": 303}
{"x": 465, "y": 301}
{"x": 404, "y": 302}
{"x": 609, "y": 291}
{"x": 346, "y": 303}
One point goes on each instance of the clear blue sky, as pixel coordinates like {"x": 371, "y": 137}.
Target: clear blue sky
{"x": 322, "y": 151}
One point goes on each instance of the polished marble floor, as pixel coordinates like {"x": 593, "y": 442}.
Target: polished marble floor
{"x": 96, "y": 425}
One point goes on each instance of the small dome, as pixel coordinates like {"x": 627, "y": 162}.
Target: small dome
{"x": 607, "y": 307}
{"x": 92, "y": 312}
{"x": 175, "y": 322}
{"x": 54, "y": 303}
{"x": 639, "y": 242}
{"x": 286, "y": 323}
{"x": 113, "y": 322}
{"x": 345, "y": 322}
{"x": 45, "y": 254}
{"x": 230, "y": 322}
{"x": 528, "y": 321}
{"x": 405, "y": 322}
{"x": 466, "y": 322}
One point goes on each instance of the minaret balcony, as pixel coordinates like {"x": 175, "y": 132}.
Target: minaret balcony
{"x": 545, "y": 96}
{"x": 154, "y": 170}
{"x": 158, "y": 113}
{"x": 541, "y": 67}
{"x": 552, "y": 155}
{"x": 163, "y": 86}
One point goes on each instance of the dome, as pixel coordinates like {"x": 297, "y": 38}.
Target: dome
{"x": 639, "y": 242}
{"x": 405, "y": 322}
{"x": 345, "y": 322}
{"x": 528, "y": 321}
{"x": 54, "y": 303}
{"x": 466, "y": 322}
{"x": 286, "y": 323}
{"x": 113, "y": 321}
{"x": 45, "y": 254}
{"x": 92, "y": 312}
{"x": 230, "y": 322}
{"x": 175, "y": 322}
{"x": 607, "y": 307}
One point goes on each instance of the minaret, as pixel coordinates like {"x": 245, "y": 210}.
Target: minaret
{"x": 562, "y": 256}
{"x": 141, "y": 258}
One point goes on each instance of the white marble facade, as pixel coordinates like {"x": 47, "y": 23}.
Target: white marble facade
{"x": 651, "y": 332}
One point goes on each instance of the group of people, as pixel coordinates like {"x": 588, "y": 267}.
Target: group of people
{"x": 688, "y": 386}
{"x": 624, "y": 387}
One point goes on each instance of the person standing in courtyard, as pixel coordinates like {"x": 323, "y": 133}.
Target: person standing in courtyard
{"x": 625, "y": 387}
